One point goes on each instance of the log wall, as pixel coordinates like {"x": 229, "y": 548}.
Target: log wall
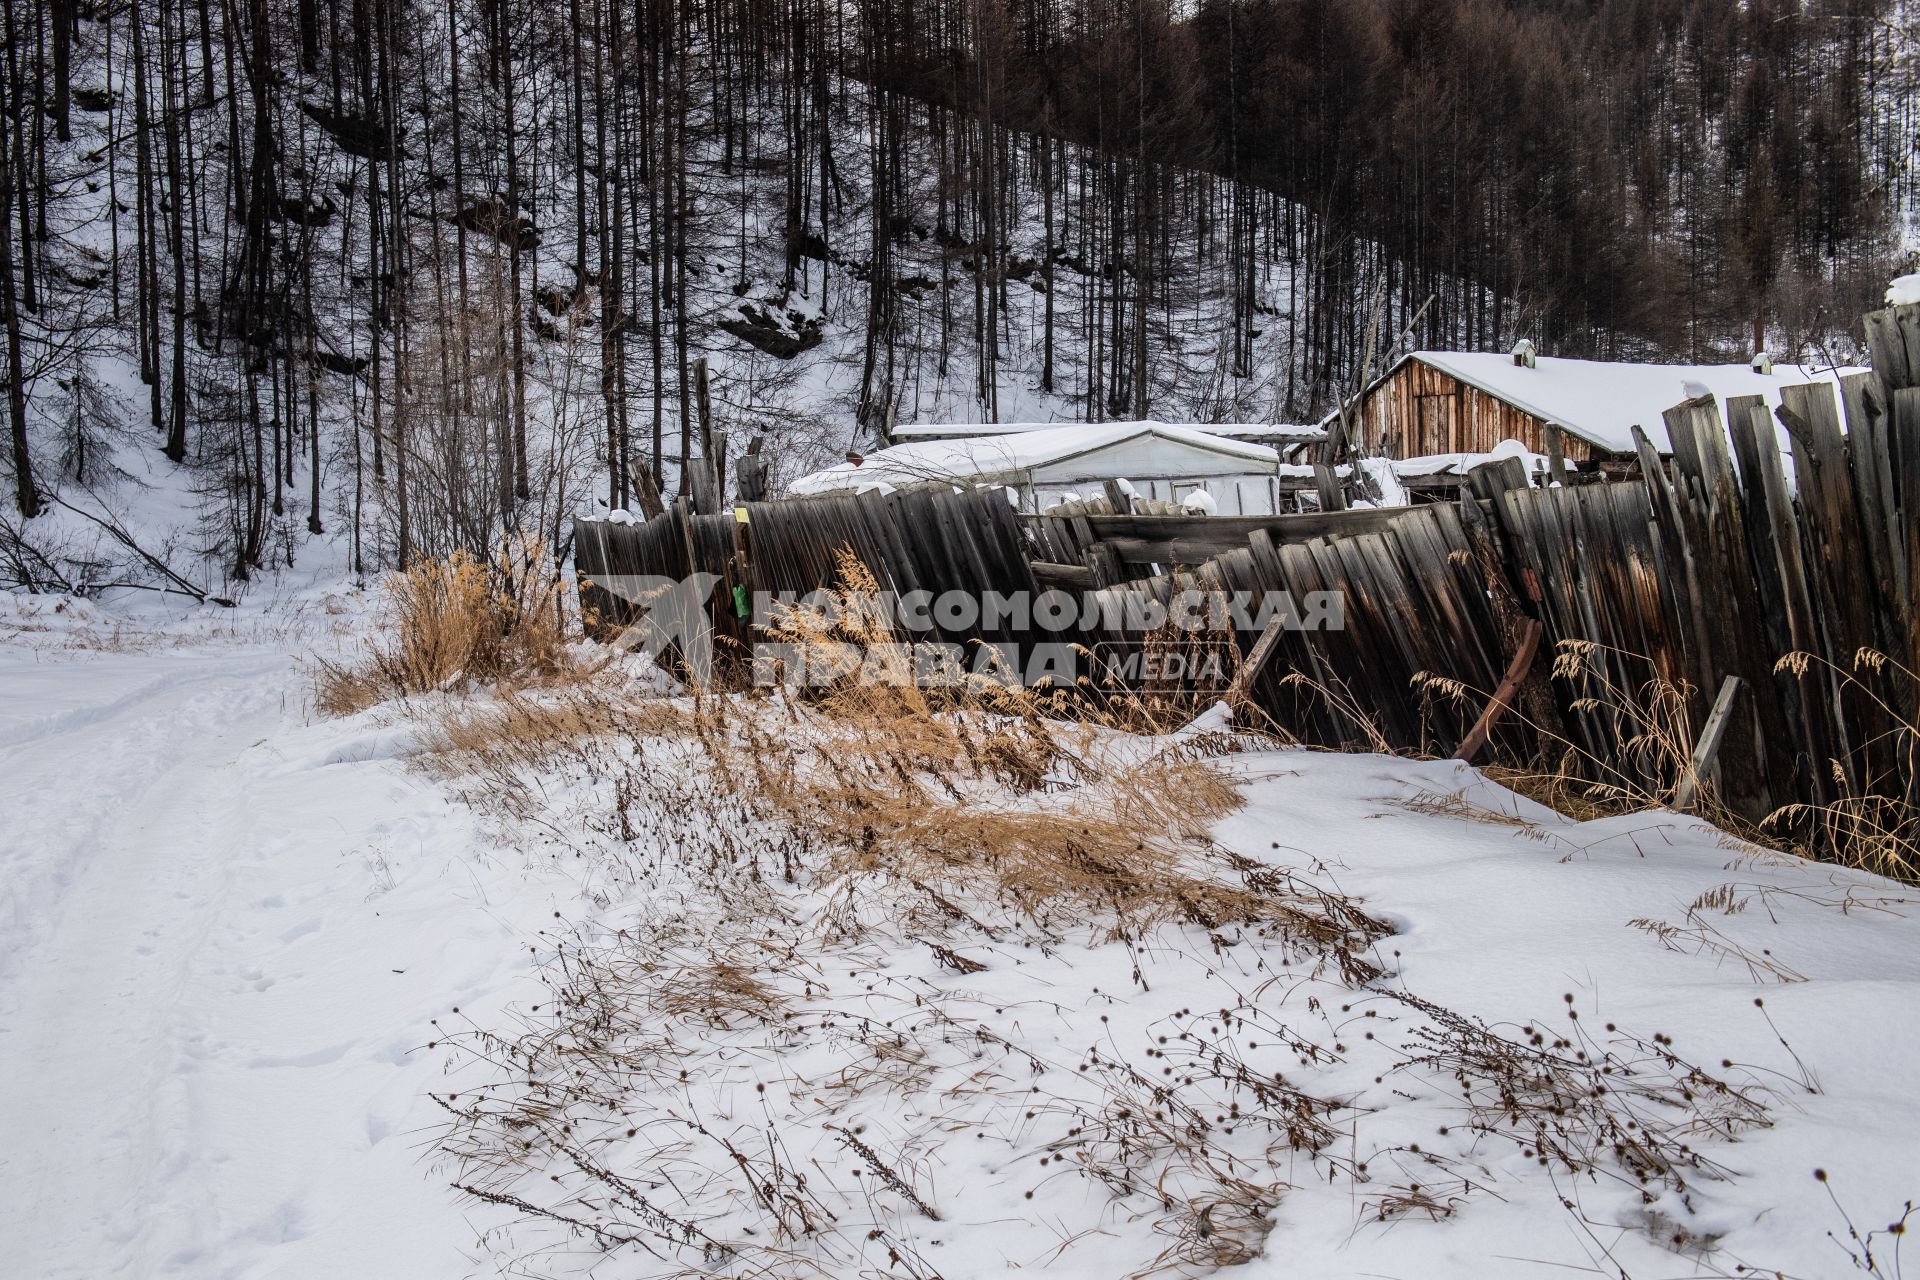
{"x": 1420, "y": 410}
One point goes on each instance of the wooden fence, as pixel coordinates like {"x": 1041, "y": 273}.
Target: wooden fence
{"x": 923, "y": 539}
{"x": 1710, "y": 566}
{"x": 1702, "y": 575}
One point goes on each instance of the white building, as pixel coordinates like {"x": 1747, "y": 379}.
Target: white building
{"x": 1281, "y": 436}
{"x": 1045, "y": 465}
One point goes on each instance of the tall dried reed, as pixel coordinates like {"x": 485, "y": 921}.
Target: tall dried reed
{"x": 1875, "y": 821}
{"x": 1635, "y": 750}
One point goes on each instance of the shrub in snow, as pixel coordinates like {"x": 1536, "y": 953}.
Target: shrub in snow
{"x": 448, "y": 623}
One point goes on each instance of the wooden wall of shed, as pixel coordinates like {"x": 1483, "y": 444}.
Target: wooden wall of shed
{"x": 1421, "y": 410}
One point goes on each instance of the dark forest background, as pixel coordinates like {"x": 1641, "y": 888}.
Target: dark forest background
{"x": 433, "y": 270}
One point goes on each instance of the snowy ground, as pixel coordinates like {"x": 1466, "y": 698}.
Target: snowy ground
{"x": 225, "y": 930}
{"x": 222, "y": 933}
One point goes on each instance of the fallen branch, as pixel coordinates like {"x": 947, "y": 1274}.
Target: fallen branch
{"x": 154, "y": 562}
{"x": 28, "y": 566}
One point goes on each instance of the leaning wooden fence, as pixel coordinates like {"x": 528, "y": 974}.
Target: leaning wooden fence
{"x": 1694, "y": 583}
{"x": 923, "y": 539}
{"x": 1713, "y": 567}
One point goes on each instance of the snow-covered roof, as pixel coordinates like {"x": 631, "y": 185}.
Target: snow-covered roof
{"x": 1602, "y": 401}
{"x": 1458, "y": 464}
{"x": 1006, "y": 457}
{"x": 1250, "y": 431}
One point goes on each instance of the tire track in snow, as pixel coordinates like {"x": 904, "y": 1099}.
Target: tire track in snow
{"x": 122, "y": 814}
{"x": 208, "y": 1001}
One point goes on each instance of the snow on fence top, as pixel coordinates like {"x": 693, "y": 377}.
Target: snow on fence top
{"x": 1158, "y": 447}
{"x": 1602, "y": 401}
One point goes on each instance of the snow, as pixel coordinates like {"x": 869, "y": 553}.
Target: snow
{"x": 1505, "y": 923}
{"x": 226, "y": 931}
{"x": 1602, "y": 401}
{"x": 1000, "y": 457}
{"x": 1385, "y": 475}
{"x": 1904, "y": 291}
{"x": 1458, "y": 464}
{"x": 222, "y": 934}
{"x": 1251, "y": 432}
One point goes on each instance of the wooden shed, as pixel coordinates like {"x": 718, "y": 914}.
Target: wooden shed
{"x": 1450, "y": 402}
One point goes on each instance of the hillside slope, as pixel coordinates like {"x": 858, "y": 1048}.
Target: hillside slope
{"x": 414, "y": 276}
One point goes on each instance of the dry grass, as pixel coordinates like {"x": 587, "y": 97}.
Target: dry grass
{"x": 1584, "y": 1102}
{"x": 1646, "y": 734}
{"x": 790, "y": 847}
{"x": 979, "y": 784}
{"x": 725, "y": 1086}
{"x": 448, "y": 624}
{"x": 1340, "y": 698}
{"x": 833, "y": 835}
{"x": 523, "y": 727}
{"x": 755, "y": 1076}
{"x": 979, "y": 790}
{"x": 1455, "y": 804}
{"x": 1563, "y": 792}
{"x": 1698, "y": 936}
{"x": 1640, "y": 755}
{"x": 1209, "y": 661}
{"x": 1875, "y": 822}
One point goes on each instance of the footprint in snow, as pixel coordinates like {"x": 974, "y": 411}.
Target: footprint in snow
{"x": 299, "y": 931}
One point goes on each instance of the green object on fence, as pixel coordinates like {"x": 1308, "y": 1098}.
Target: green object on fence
{"x": 741, "y": 608}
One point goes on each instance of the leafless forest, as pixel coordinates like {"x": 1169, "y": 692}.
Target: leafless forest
{"x": 418, "y": 273}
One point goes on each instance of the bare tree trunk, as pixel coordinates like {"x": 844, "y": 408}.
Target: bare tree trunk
{"x": 24, "y": 494}
{"x": 515, "y": 304}
{"x": 147, "y": 298}
{"x": 677, "y": 194}
{"x": 171, "y": 107}
{"x": 397, "y": 268}
{"x": 1046, "y": 145}
{"x": 62, "y": 14}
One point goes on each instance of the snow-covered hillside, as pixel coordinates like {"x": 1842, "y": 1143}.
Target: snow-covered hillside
{"x": 314, "y": 393}
{"x": 407, "y": 276}
{"x": 359, "y": 918}
{"x": 268, "y": 989}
